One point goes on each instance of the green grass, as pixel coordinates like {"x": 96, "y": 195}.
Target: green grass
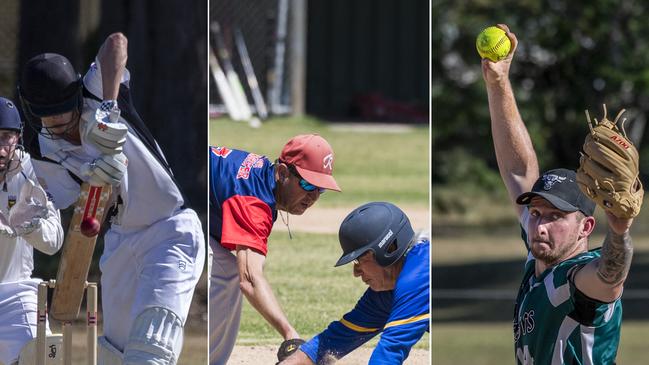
{"x": 369, "y": 166}
{"x": 390, "y": 166}
{"x": 492, "y": 344}
{"x": 479, "y": 343}
{"x": 311, "y": 291}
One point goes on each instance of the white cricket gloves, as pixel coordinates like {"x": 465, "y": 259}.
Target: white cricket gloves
{"x": 104, "y": 130}
{"x": 25, "y": 216}
{"x": 107, "y": 169}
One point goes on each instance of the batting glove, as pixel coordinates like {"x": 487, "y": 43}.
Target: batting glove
{"x": 103, "y": 129}
{"x": 108, "y": 169}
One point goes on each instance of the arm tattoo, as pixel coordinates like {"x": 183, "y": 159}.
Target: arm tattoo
{"x": 615, "y": 261}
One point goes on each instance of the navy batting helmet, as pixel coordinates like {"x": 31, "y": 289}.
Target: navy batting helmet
{"x": 9, "y": 116}
{"x": 379, "y": 227}
{"x": 50, "y": 86}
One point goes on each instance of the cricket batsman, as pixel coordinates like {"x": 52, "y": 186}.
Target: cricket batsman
{"x": 89, "y": 131}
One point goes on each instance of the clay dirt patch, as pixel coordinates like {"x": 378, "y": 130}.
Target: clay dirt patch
{"x": 264, "y": 354}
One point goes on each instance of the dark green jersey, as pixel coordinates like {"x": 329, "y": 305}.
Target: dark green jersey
{"x": 554, "y": 323}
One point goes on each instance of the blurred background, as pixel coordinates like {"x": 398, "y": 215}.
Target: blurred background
{"x": 168, "y": 64}
{"x": 356, "y": 72}
{"x": 362, "y": 59}
{"x": 571, "y": 56}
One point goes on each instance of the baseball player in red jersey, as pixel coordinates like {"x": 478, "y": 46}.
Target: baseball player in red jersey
{"x": 246, "y": 192}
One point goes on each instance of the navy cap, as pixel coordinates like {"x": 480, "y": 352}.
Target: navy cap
{"x": 50, "y": 85}
{"x": 9, "y": 116}
{"x": 559, "y": 187}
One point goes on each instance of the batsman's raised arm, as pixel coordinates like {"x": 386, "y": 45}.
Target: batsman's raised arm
{"x": 112, "y": 58}
{"x": 514, "y": 151}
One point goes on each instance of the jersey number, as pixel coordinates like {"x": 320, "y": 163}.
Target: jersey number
{"x": 524, "y": 357}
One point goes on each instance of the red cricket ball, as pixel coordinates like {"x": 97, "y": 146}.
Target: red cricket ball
{"x": 90, "y": 227}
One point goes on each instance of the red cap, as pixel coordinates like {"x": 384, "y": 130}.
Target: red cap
{"x": 313, "y": 159}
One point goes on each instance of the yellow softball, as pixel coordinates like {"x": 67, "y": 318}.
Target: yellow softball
{"x": 493, "y": 43}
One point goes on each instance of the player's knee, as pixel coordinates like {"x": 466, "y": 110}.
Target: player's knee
{"x": 156, "y": 338}
{"x": 107, "y": 354}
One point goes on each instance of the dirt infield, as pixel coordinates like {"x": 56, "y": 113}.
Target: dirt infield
{"x": 261, "y": 355}
{"x": 327, "y": 220}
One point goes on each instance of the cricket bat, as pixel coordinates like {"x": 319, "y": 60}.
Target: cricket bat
{"x": 260, "y": 105}
{"x": 231, "y": 75}
{"x": 77, "y": 252}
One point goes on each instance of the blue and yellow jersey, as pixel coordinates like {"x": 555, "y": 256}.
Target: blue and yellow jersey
{"x": 401, "y": 315}
{"x": 242, "y": 200}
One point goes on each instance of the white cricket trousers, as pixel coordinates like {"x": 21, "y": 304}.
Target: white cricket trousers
{"x": 158, "y": 266}
{"x": 225, "y": 303}
{"x": 18, "y": 306}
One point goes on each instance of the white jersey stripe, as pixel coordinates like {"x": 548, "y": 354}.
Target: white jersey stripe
{"x": 556, "y": 295}
{"x": 609, "y": 312}
{"x": 567, "y": 326}
{"x": 587, "y": 342}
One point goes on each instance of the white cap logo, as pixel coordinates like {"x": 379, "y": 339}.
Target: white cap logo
{"x": 550, "y": 179}
{"x": 328, "y": 161}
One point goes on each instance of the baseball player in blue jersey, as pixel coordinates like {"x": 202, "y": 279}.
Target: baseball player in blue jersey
{"x": 246, "y": 192}
{"x": 394, "y": 263}
{"x": 154, "y": 250}
{"x": 568, "y": 308}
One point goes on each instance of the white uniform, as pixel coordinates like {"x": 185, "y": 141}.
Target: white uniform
{"x": 154, "y": 251}
{"x": 17, "y": 289}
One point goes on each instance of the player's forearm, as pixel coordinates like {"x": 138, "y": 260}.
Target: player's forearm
{"x": 515, "y": 154}
{"x": 112, "y": 60}
{"x": 614, "y": 264}
{"x": 261, "y": 297}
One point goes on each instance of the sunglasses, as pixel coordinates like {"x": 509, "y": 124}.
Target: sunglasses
{"x": 305, "y": 185}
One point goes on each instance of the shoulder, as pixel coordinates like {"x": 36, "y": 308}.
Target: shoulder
{"x": 415, "y": 274}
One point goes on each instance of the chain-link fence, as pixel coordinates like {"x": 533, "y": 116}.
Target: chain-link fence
{"x": 265, "y": 29}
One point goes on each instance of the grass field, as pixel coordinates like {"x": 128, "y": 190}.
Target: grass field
{"x": 369, "y": 165}
{"x": 478, "y": 331}
{"x": 311, "y": 291}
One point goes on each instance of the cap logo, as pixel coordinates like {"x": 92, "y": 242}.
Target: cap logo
{"x": 385, "y": 239}
{"x": 328, "y": 161}
{"x": 10, "y": 104}
{"x": 550, "y": 179}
